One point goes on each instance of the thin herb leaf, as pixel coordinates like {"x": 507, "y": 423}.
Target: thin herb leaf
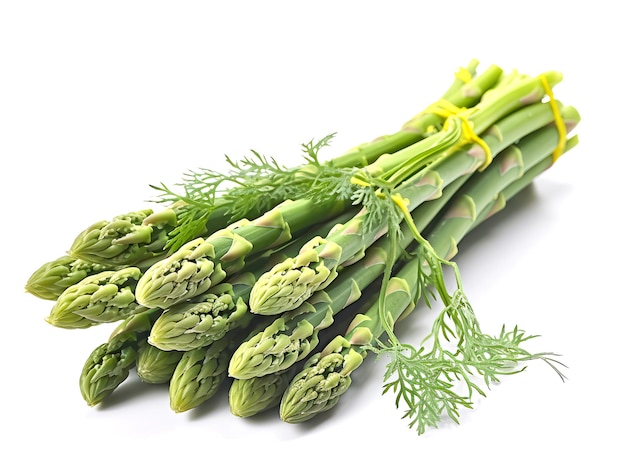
{"x": 427, "y": 380}
{"x": 249, "y": 187}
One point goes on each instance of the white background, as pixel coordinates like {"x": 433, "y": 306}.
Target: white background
{"x": 98, "y": 100}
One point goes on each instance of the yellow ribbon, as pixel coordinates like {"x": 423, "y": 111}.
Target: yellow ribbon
{"x": 449, "y": 111}
{"x": 463, "y": 75}
{"x": 558, "y": 120}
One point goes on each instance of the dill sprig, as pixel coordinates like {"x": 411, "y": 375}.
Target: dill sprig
{"x": 249, "y": 187}
{"x": 430, "y": 381}
{"x": 427, "y": 380}
{"x": 191, "y": 223}
{"x": 443, "y": 378}
{"x": 255, "y": 184}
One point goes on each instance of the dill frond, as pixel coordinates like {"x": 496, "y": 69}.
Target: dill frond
{"x": 441, "y": 380}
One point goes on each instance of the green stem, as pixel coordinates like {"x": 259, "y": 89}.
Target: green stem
{"x": 496, "y": 104}
{"x": 109, "y": 364}
{"x": 461, "y": 94}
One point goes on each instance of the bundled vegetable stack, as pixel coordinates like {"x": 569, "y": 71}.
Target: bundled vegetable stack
{"x": 278, "y": 281}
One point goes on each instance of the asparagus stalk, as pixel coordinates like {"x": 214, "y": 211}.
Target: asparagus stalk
{"x": 54, "y": 277}
{"x": 127, "y": 239}
{"x": 251, "y": 396}
{"x": 315, "y": 267}
{"x": 100, "y": 298}
{"x": 327, "y": 375}
{"x": 203, "y": 320}
{"x": 110, "y": 363}
{"x": 199, "y": 374}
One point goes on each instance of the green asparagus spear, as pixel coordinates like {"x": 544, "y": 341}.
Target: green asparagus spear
{"x": 199, "y": 374}
{"x": 126, "y": 239}
{"x": 54, "y": 277}
{"x": 101, "y": 298}
{"x": 204, "y": 319}
{"x": 251, "y": 396}
{"x": 110, "y": 363}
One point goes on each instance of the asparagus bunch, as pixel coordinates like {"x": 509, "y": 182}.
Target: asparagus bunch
{"x": 247, "y": 280}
